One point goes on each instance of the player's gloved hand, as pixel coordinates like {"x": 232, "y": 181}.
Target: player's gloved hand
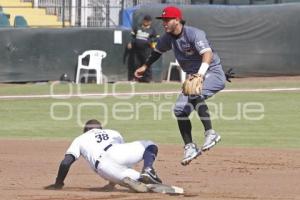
{"x": 229, "y": 74}
{"x": 193, "y": 85}
{"x": 56, "y": 186}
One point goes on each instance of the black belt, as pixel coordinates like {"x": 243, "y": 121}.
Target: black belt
{"x": 105, "y": 149}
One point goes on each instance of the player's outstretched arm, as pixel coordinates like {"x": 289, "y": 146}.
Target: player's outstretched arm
{"x": 139, "y": 73}
{"x": 62, "y": 173}
{"x": 154, "y": 56}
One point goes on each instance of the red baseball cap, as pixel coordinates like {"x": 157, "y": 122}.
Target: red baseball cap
{"x": 170, "y": 12}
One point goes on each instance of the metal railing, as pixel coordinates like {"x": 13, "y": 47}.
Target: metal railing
{"x": 102, "y": 13}
{"x": 91, "y": 13}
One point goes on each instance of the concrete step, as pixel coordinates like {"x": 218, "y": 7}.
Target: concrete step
{"x": 13, "y": 3}
{"x": 34, "y": 16}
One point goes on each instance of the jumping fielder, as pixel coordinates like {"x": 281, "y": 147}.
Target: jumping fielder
{"x": 205, "y": 77}
{"x": 110, "y": 157}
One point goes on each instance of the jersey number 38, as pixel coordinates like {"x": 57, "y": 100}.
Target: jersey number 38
{"x": 101, "y": 136}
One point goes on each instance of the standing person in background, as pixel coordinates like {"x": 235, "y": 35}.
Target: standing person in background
{"x": 197, "y": 58}
{"x": 143, "y": 38}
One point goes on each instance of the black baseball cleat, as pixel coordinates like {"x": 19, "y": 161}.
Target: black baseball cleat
{"x": 148, "y": 176}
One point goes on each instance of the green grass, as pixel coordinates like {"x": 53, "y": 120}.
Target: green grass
{"x": 55, "y": 88}
{"x": 150, "y": 116}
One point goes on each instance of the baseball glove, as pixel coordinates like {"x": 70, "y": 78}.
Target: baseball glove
{"x": 193, "y": 85}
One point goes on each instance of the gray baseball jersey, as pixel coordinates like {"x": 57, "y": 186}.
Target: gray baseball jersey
{"x": 188, "y": 48}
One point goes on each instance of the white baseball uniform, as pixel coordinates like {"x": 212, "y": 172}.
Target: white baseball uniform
{"x": 113, "y": 162}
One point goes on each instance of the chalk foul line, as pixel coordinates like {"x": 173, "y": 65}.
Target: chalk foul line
{"x": 58, "y": 96}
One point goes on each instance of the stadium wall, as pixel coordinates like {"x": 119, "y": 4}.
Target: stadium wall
{"x": 256, "y": 40}
{"x": 45, "y": 54}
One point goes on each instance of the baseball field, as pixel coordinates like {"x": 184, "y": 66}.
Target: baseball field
{"x": 257, "y": 158}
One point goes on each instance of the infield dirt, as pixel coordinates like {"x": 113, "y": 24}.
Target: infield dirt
{"x": 220, "y": 174}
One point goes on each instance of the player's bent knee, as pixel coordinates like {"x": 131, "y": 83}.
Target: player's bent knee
{"x": 180, "y": 113}
{"x": 152, "y": 148}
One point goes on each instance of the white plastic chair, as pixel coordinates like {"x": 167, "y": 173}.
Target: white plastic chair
{"x": 182, "y": 74}
{"x": 94, "y": 63}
